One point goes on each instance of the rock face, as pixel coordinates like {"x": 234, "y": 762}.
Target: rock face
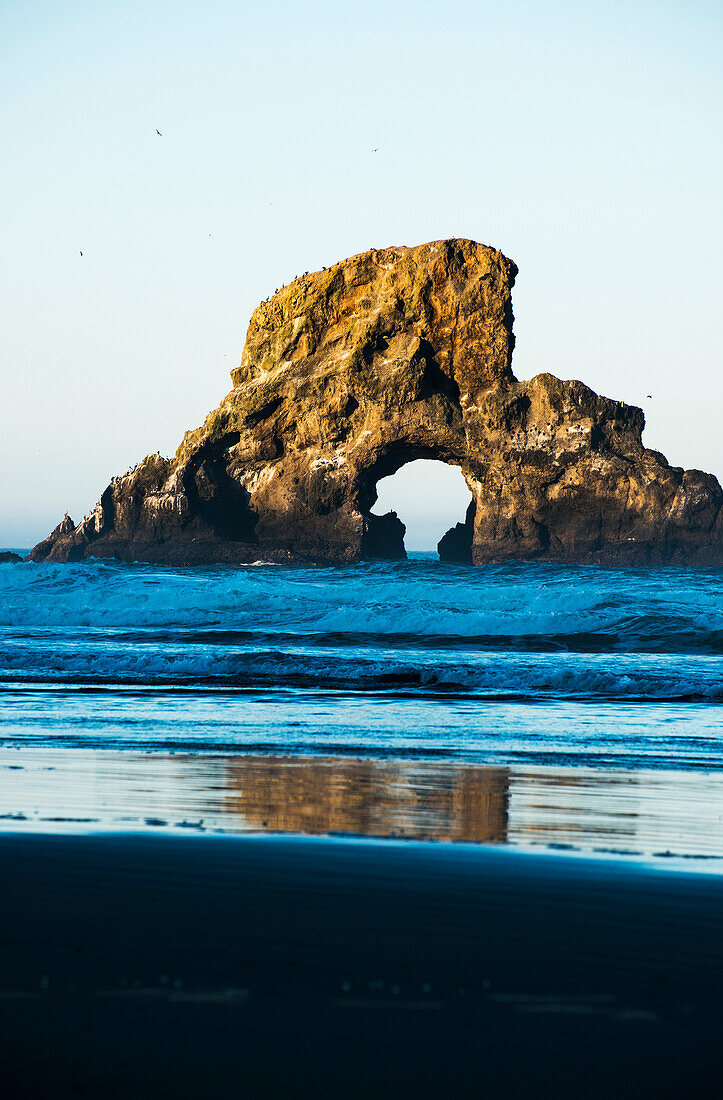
{"x": 351, "y": 372}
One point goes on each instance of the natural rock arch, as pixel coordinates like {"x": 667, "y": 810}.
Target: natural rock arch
{"x": 384, "y": 534}
{"x": 350, "y": 372}
{"x": 428, "y": 496}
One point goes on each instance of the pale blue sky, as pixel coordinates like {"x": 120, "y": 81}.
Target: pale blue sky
{"x": 581, "y": 139}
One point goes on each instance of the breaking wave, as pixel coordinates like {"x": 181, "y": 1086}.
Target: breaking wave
{"x": 522, "y": 631}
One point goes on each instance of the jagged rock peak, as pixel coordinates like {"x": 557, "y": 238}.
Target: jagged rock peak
{"x": 456, "y": 294}
{"x": 350, "y": 372}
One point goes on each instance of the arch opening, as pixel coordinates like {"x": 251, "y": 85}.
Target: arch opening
{"x": 433, "y": 501}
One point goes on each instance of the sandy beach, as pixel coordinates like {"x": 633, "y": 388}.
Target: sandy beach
{"x": 144, "y": 966}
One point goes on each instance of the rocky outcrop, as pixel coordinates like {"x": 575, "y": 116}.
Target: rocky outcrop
{"x": 349, "y": 373}
{"x": 7, "y": 557}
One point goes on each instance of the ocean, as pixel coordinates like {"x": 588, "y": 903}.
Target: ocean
{"x": 570, "y": 707}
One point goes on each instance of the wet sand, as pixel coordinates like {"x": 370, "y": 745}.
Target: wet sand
{"x": 632, "y": 813}
{"x": 154, "y": 965}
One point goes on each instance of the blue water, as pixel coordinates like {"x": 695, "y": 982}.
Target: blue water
{"x": 525, "y": 662}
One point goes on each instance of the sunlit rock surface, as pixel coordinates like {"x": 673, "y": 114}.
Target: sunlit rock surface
{"x": 390, "y": 356}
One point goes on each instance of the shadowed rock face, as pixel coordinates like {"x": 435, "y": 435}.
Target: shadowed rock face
{"x": 351, "y": 372}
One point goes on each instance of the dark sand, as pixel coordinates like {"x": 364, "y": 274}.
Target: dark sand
{"x": 146, "y": 966}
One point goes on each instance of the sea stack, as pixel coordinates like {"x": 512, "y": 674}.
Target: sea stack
{"x": 350, "y": 372}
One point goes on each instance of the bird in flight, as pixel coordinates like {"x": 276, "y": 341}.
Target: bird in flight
{"x": 648, "y": 395}
{"x": 375, "y": 150}
{"x": 159, "y": 133}
{"x": 81, "y": 253}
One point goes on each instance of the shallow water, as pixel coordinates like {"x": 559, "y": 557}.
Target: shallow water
{"x": 647, "y": 813}
{"x": 597, "y": 694}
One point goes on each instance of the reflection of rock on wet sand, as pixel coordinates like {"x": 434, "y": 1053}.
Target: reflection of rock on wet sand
{"x": 371, "y": 798}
